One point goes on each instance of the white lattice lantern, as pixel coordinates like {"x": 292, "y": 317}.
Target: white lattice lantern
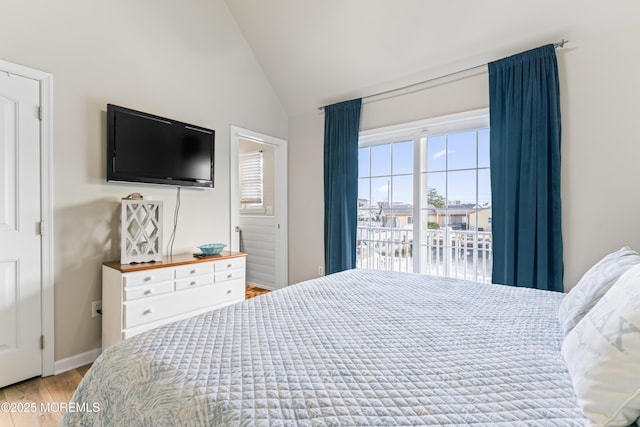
{"x": 141, "y": 231}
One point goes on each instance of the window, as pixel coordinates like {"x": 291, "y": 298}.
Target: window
{"x": 251, "y": 179}
{"x": 424, "y": 198}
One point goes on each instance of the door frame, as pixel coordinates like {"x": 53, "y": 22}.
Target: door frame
{"x": 46, "y": 185}
{"x": 281, "y": 193}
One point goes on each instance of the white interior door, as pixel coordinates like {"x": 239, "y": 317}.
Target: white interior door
{"x": 261, "y": 232}
{"x": 20, "y": 240}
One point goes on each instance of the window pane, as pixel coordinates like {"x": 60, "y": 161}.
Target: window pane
{"x": 252, "y": 178}
{"x": 480, "y": 222}
{"x": 436, "y": 153}
{"x": 364, "y": 199}
{"x": 402, "y": 190}
{"x": 381, "y": 160}
{"x": 461, "y": 187}
{"x": 481, "y": 219}
{"x": 403, "y": 157}
{"x": 432, "y": 253}
{"x": 363, "y": 161}
{"x": 484, "y": 187}
{"x": 483, "y": 148}
{"x": 461, "y": 150}
{"x": 435, "y": 189}
{"x": 363, "y": 191}
{"x": 379, "y": 192}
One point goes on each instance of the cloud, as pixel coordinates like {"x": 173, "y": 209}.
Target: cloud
{"x": 441, "y": 153}
{"x": 383, "y": 188}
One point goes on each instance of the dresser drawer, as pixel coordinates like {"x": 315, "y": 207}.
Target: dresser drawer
{"x": 194, "y": 270}
{"x": 191, "y": 282}
{"x": 147, "y": 290}
{"x": 228, "y": 264}
{"x": 230, "y": 290}
{"x": 148, "y": 310}
{"x": 147, "y": 276}
{"x": 223, "y": 276}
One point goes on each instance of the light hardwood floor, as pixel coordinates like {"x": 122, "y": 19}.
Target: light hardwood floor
{"x": 49, "y": 393}
{"x": 36, "y": 402}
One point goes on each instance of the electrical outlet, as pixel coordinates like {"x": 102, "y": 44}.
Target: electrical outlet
{"x": 96, "y": 308}
{"x": 321, "y": 270}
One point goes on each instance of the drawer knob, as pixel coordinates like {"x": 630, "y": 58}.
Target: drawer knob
{"x": 229, "y": 291}
{"x": 147, "y": 311}
{"x": 229, "y": 276}
{"x": 194, "y": 271}
{"x": 193, "y": 283}
{"x": 148, "y": 278}
{"x": 148, "y": 292}
{"x": 229, "y": 265}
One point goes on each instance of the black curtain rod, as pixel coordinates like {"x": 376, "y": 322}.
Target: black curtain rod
{"x": 557, "y": 45}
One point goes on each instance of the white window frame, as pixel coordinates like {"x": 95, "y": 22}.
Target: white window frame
{"x": 415, "y": 131}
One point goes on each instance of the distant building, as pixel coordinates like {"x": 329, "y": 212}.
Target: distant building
{"x": 482, "y": 220}
{"x": 465, "y": 216}
{"x": 397, "y": 215}
{"x": 458, "y": 216}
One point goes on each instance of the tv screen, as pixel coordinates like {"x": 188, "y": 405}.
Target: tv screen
{"x": 145, "y": 148}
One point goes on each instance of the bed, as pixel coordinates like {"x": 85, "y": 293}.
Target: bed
{"x": 353, "y": 348}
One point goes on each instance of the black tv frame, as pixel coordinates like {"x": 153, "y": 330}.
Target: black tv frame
{"x": 119, "y": 176}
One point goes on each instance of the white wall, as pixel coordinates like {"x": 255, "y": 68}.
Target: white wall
{"x": 185, "y": 60}
{"x": 601, "y": 149}
{"x": 306, "y": 196}
{"x": 600, "y": 93}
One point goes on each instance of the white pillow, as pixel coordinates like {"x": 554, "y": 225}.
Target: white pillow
{"x": 602, "y": 354}
{"x": 595, "y": 283}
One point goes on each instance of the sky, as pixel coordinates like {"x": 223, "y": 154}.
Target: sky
{"x": 448, "y": 166}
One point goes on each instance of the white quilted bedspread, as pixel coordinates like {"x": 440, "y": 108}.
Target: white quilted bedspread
{"x": 357, "y": 348}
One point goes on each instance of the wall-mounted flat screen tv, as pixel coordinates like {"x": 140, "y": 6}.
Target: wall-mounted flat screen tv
{"x": 145, "y": 148}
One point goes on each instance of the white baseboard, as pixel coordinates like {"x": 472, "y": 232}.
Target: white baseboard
{"x": 76, "y": 361}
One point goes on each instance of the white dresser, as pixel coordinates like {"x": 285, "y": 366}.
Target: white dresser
{"x": 139, "y": 297}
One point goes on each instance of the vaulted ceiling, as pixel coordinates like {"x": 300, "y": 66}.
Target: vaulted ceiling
{"x": 316, "y": 52}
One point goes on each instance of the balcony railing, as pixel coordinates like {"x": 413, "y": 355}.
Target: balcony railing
{"x": 463, "y": 254}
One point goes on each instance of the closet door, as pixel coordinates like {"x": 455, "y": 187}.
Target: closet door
{"x": 20, "y": 219}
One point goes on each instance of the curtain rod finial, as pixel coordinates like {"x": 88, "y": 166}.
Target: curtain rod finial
{"x": 560, "y": 44}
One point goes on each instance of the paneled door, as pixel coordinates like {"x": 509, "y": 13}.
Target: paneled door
{"x": 20, "y": 239}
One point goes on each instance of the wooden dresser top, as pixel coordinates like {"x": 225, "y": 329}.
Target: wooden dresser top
{"x": 180, "y": 259}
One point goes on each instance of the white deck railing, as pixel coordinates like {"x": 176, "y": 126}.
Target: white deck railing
{"x": 463, "y": 254}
